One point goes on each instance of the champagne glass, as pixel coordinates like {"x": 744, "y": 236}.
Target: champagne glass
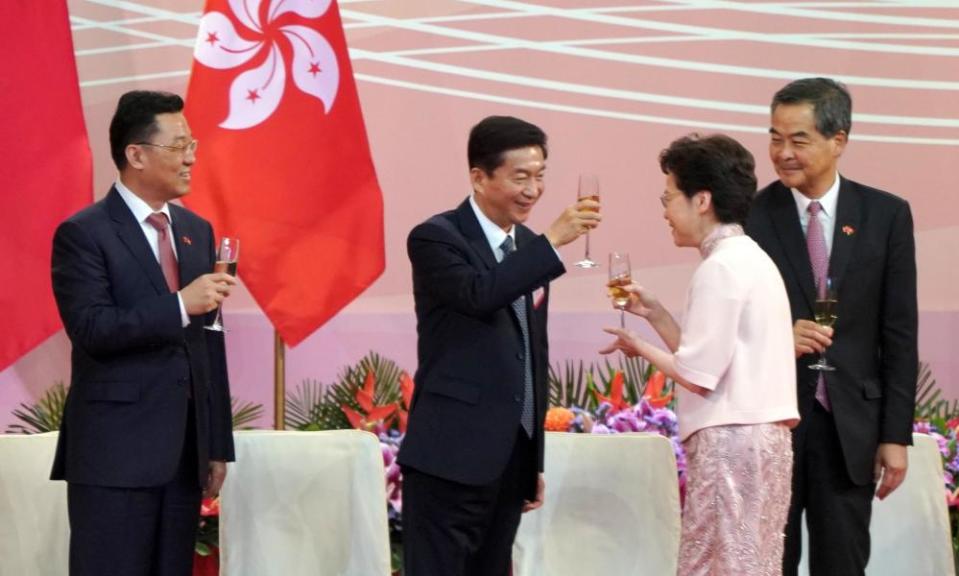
{"x": 620, "y": 275}
{"x": 226, "y": 260}
{"x": 588, "y": 188}
{"x": 825, "y": 313}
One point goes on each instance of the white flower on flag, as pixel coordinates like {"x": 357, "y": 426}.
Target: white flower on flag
{"x": 256, "y": 92}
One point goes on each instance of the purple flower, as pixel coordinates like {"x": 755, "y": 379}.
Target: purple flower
{"x": 599, "y": 428}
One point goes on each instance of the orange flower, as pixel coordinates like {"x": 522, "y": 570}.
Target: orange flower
{"x": 615, "y": 398}
{"x": 403, "y": 407}
{"x": 372, "y": 414}
{"x": 558, "y": 419}
{"x": 848, "y": 230}
{"x": 654, "y": 390}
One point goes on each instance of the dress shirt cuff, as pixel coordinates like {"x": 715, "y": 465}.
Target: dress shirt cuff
{"x": 184, "y": 317}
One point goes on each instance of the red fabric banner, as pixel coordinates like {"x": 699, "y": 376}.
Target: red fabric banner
{"x": 284, "y": 163}
{"x": 47, "y": 165}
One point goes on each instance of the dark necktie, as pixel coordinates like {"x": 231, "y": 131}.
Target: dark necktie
{"x": 819, "y": 258}
{"x": 519, "y": 307}
{"x": 167, "y": 259}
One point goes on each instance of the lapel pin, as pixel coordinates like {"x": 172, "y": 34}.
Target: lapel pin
{"x": 188, "y": 242}
{"x": 848, "y": 230}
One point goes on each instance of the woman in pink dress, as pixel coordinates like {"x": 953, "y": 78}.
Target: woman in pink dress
{"x": 732, "y": 358}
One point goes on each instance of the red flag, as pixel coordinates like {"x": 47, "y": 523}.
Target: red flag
{"x": 283, "y": 162}
{"x": 47, "y": 165}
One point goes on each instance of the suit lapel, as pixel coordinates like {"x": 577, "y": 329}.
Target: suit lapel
{"x": 473, "y": 232}
{"x": 785, "y": 218}
{"x": 848, "y": 216}
{"x": 131, "y": 234}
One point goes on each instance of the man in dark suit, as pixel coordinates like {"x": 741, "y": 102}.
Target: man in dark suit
{"x": 820, "y": 227}
{"x": 473, "y": 453}
{"x": 147, "y": 421}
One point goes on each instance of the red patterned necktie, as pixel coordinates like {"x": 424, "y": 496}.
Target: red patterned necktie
{"x": 819, "y": 258}
{"x": 167, "y": 259}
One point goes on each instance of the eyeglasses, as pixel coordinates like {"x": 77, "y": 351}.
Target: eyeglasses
{"x": 182, "y": 149}
{"x": 666, "y": 197}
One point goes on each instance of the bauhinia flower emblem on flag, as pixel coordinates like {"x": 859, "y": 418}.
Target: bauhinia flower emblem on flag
{"x": 256, "y": 92}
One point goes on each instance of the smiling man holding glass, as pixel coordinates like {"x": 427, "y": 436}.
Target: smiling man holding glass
{"x": 147, "y": 425}
{"x": 825, "y": 232}
{"x": 473, "y": 453}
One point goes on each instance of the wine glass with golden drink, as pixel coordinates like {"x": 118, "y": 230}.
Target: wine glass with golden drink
{"x": 825, "y": 315}
{"x": 620, "y": 275}
{"x": 588, "y": 188}
{"x": 226, "y": 260}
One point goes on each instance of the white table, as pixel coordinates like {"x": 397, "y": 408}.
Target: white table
{"x": 305, "y": 503}
{"x": 314, "y": 503}
{"x": 34, "y": 533}
{"x": 611, "y": 507}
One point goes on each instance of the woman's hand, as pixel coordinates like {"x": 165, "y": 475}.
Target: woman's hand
{"x": 642, "y": 302}
{"x": 626, "y": 341}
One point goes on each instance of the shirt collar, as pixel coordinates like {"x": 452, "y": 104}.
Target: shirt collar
{"x": 141, "y": 210}
{"x": 827, "y": 202}
{"x": 494, "y": 234}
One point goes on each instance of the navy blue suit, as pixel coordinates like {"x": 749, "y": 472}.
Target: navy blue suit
{"x": 149, "y": 400}
{"x": 464, "y": 437}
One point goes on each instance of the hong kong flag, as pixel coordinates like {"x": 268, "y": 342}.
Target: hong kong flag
{"x": 47, "y": 165}
{"x": 283, "y": 162}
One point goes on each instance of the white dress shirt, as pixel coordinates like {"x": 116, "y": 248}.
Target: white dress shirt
{"x": 827, "y": 216}
{"x": 494, "y": 234}
{"x": 141, "y": 211}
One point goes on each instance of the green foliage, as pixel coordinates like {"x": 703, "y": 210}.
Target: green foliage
{"x": 303, "y": 406}
{"x": 309, "y": 407}
{"x": 45, "y": 415}
{"x": 929, "y": 405}
{"x": 244, "y": 413}
{"x": 572, "y": 383}
{"x": 207, "y": 532}
{"x": 569, "y": 385}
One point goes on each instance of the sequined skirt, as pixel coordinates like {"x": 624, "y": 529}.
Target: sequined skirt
{"x": 739, "y": 482}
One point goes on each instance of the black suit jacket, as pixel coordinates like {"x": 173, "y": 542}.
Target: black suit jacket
{"x": 133, "y": 362}
{"x": 873, "y": 266}
{"x": 469, "y": 382}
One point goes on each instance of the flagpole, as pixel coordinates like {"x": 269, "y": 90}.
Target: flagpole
{"x": 279, "y": 382}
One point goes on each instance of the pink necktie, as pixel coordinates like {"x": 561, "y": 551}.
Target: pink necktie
{"x": 167, "y": 260}
{"x": 819, "y": 258}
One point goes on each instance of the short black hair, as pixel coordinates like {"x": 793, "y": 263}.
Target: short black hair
{"x": 135, "y": 120}
{"x": 716, "y": 163}
{"x": 495, "y": 135}
{"x": 830, "y": 101}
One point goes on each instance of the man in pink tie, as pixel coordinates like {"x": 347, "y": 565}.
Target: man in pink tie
{"x": 147, "y": 423}
{"x": 821, "y": 230}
